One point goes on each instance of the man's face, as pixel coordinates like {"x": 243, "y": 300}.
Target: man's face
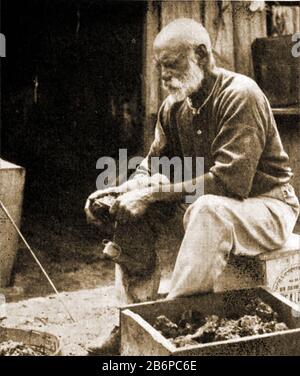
{"x": 181, "y": 75}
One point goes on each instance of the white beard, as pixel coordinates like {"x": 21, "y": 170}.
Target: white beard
{"x": 191, "y": 82}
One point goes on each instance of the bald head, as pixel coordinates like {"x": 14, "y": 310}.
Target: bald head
{"x": 184, "y": 33}
{"x": 183, "y": 51}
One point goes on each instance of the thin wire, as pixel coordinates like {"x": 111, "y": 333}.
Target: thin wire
{"x": 36, "y": 259}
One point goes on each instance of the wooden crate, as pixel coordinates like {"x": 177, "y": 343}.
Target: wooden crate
{"x": 279, "y": 270}
{"x": 138, "y": 336}
{"x": 12, "y": 180}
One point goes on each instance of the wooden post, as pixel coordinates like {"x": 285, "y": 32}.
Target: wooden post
{"x": 247, "y": 26}
{"x": 285, "y": 20}
{"x": 159, "y": 14}
{"x": 218, "y": 22}
{"x": 170, "y": 10}
{"x": 296, "y": 19}
{"x": 151, "y": 79}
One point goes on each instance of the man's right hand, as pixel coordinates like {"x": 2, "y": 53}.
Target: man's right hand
{"x": 112, "y": 191}
{"x": 130, "y": 185}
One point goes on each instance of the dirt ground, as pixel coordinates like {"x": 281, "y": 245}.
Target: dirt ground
{"x": 94, "y": 312}
{"x": 72, "y": 257}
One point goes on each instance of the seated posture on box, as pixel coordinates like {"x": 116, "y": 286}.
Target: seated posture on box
{"x": 246, "y": 206}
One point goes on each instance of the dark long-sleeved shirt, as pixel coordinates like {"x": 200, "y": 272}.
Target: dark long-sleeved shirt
{"x": 234, "y": 131}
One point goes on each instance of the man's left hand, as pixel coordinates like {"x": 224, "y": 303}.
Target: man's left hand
{"x": 132, "y": 205}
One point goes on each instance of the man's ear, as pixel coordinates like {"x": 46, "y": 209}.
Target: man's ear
{"x": 201, "y": 54}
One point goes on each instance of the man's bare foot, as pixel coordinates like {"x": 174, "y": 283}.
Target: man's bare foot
{"x": 108, "y": 346}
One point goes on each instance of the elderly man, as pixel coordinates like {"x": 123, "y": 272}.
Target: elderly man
{"x": 247, "y": 205}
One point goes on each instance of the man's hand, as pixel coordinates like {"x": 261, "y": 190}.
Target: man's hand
{"x": 132, "y": 205}
{"x": 128, "y": 186}
{"x": 138, "y": 185}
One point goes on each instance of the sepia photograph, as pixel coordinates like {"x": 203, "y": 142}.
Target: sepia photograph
{"x": 149, "y": 180}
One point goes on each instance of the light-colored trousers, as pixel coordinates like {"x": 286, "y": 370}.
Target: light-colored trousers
{"x": 214, "y": 227}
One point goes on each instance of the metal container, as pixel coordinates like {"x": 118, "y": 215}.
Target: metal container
{"x": 12, "y": 179}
